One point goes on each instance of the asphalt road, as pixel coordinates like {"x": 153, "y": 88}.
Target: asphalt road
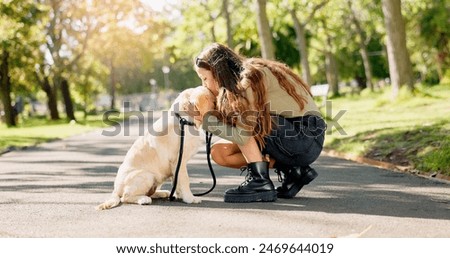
{"x": 51, "y": 191}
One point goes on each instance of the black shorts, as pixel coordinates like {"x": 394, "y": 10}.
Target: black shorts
{"x": 295, "y": 141}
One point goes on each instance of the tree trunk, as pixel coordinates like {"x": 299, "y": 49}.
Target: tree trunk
{"x": 301, "y": 44}
{"x": 113, "y": 84}
{"x": 442, "y": 57}
{"x": 332, "y": 73}
{"x": 362, "y": 47}
{"x": 213, "y": 32}
{"x": 400, "y": 69}
{"x": 65, "y": 92}
{"x": 265, "y": 35}
{"x": 5, "y": 90}
{"x": 226, "y": 13}
{"x": 367, "y": 67}
{"x": 331, "y": 69}
{"x": 51, "y": 99}
{"x": 85, "y": 101}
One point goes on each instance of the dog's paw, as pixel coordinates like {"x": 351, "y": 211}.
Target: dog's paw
{"x": 192, "y": 199}
{"x": 161, "y": 194}
{"x": 145, "y": 200}
{"x": 197, "y": 200}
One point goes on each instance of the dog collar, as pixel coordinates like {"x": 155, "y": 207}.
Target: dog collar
{"x": 183, "y": 121}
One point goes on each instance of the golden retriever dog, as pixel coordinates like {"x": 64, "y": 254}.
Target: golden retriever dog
{"x": 152, "y": 159}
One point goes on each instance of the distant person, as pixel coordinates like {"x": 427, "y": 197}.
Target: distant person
{"x": 262, "y": 109}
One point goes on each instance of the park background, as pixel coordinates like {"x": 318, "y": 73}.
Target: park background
{"x": 64, "y": 63}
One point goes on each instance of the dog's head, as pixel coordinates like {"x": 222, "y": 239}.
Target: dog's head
{"x": 203, "y": 101}
{"x": 194, "y": 103}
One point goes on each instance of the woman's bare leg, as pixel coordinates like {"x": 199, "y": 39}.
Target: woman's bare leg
{"x": 251, "y": 151}
{"x": 228, "y": 154}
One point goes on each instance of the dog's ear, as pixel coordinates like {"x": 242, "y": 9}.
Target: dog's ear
{"x": 204, "y": 101}
{"x": 204, "y": 104}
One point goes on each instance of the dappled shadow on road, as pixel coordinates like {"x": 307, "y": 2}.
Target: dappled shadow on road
{"x": 82, "y": 164}
{"x": 88, "y": 165}
{"x": 94, "y": 187}
{"x": 345, "y": 187}
{"x": 88, "y": 147}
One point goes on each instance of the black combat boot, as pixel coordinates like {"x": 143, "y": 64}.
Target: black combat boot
{"x": 257, "y": 186}
{"x": 293, "y": 179}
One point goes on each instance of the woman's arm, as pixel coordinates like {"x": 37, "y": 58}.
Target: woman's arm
{"x": 235, "y": 134}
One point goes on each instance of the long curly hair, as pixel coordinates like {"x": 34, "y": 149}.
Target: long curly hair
{"x": 234, "y": 75}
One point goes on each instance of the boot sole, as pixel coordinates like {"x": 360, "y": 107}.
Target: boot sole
{"x": 293, "y": 191}
{"x": 269, "y": 196}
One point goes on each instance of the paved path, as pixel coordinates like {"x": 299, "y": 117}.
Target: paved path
{"x": 51, "y": 191}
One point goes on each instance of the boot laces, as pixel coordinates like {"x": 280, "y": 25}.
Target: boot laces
{"x": 248, "y": 177}
{"x": 281, "y": 175}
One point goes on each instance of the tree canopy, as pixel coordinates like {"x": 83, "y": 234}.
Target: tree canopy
{"x": 67, "y": 52}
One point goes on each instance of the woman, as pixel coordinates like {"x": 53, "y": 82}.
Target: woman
{"x": 263, "y": 110}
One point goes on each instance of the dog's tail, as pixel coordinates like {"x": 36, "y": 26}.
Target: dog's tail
{"x": 110, "y": 203}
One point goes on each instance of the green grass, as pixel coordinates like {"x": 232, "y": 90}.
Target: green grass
{"x": 412, "y": 131}
{"x": 36, "y": 130}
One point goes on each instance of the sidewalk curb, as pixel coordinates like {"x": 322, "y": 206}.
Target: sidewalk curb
{"x": 386, "y": 165}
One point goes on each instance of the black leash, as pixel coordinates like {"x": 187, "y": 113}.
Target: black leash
{"x": 184, "y": 122}
{"x": 208, "y": 138}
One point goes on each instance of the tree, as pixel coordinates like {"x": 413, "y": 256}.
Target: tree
{"x": 127, "y": 45}
{"x": 264, "y": 32}
{"x": 300, "y": 32}
{"x": 400, "y": 68}
{"x": 68, "y": 32}
{"x": 363, "y": 43}
{"x": 89, "y": 75}
{"x": 226, "y": 15}
{"x": 434, "y": 30}
{"x": 5, "y": 89}
{"x": 18, "y": 33}
{"x": 330, "y": 62}
{"x": 42, "y": 77}
{"x": 109, "y": 42}
{"x": 213, "y": 13}
{"x": 327, "y": 41}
